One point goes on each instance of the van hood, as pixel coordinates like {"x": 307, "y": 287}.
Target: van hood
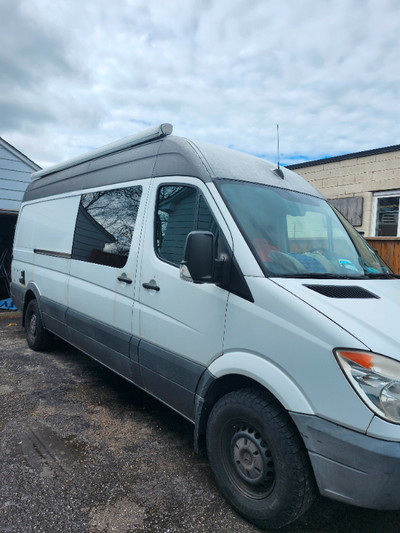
{"x": 367, "y": 309}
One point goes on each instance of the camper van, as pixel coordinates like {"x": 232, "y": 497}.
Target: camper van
{"x": 232, "y": 291}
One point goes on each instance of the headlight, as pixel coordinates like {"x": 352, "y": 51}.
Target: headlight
{"x": 375, "y": 378}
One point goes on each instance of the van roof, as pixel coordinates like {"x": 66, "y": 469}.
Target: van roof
{"x": 156, "y": 153}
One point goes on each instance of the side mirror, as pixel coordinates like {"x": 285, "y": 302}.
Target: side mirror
{"x": 198, "y": 257}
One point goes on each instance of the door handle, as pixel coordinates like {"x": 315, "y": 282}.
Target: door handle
{"x": 151, "y": 286}
{"x": 125, "y": 279}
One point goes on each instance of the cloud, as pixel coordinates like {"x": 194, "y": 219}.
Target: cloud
{"x": 76, "y": 75}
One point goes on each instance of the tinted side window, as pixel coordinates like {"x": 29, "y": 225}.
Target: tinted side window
{"x": 180, "y": 210}
{"x": 105, "y": 225}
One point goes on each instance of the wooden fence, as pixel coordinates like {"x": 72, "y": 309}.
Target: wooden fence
{"x": 388, "y": 248}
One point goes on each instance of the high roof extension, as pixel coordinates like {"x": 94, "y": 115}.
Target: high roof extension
{"x": 157, "y": 153}
{"x": 127, "y": 142}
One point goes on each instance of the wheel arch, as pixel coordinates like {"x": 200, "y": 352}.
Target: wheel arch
{"x": 234, "y": 371}
{"x": 31, "y": 293}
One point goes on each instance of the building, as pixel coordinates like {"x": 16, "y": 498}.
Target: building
{"x": 15, "y": 174}
{"x": 364, "y": 186}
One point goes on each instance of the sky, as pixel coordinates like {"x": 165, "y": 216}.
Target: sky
{"x": 75, "y": 75}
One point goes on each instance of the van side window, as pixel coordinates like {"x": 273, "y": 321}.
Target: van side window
{"x": 205, "y": 219}
{"x": 180, "y": 210}
{"x": 104, "y": 226}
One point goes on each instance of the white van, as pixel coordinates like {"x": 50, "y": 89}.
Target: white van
{"x": 233, "y": 292}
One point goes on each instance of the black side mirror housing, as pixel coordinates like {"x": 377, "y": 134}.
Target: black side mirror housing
{"x": 198, "y": 256}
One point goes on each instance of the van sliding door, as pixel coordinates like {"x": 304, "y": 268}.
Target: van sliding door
{"x": 102, "y": 318}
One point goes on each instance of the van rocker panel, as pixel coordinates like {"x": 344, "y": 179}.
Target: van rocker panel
{"x": 113, "y": 348}
{"x": 54, "y": 317}
{"x": 110, "y": 346}
{"x": 116, "y": 340}
{"x": 170, "y": 377}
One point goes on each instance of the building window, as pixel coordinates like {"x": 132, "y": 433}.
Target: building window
{"x": 386, "y": 215}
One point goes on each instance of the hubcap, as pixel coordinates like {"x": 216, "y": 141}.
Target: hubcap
{"x": 252, "y": 458}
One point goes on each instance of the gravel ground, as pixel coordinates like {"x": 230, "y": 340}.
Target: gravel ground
{"x": 83, "y": 451}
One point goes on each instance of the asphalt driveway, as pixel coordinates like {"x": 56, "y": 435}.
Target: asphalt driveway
{"x": 84, "y": 451}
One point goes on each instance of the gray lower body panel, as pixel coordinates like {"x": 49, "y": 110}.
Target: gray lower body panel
{"x": 173, "y": 377}
{"x": 167, "y": 376}
{"x": 17, "y": 295}
{"x": 350, "y": 466}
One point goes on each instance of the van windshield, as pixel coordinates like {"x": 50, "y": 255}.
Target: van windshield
{"x": 297, "y": 235}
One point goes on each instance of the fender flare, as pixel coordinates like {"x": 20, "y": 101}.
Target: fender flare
{"x": 31, "y": 287}
{"x": 267, "y": 374}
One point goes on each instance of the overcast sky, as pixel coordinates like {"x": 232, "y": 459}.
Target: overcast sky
{"x": 75, "y": 75}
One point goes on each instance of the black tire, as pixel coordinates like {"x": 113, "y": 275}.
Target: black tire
{"x": 37, "y": 337}
{"x": 258, "y": 459}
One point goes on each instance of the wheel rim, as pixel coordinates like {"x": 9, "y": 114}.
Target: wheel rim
{"x": 249, "y": 461}
{"x": 32, "y": 325}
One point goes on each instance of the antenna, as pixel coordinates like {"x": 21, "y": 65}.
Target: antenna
{"x": 278, "y": 170}
{"x": 277, "y": 142}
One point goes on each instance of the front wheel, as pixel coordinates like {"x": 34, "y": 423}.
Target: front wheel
{"x": 37, "y": 337}
{"x": 258, "y": 459}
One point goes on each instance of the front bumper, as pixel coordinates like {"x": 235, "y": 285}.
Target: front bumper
{"x": 352, "y": 467}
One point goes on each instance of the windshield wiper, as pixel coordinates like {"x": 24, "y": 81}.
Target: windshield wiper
{"x": 381, "y": 275}
{"x": 318, "y": 275}
{"x": 328, "y": 275}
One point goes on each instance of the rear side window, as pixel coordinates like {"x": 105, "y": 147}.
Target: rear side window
{"x": 180, "y": 210}
{"x": 104, "y": 226}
